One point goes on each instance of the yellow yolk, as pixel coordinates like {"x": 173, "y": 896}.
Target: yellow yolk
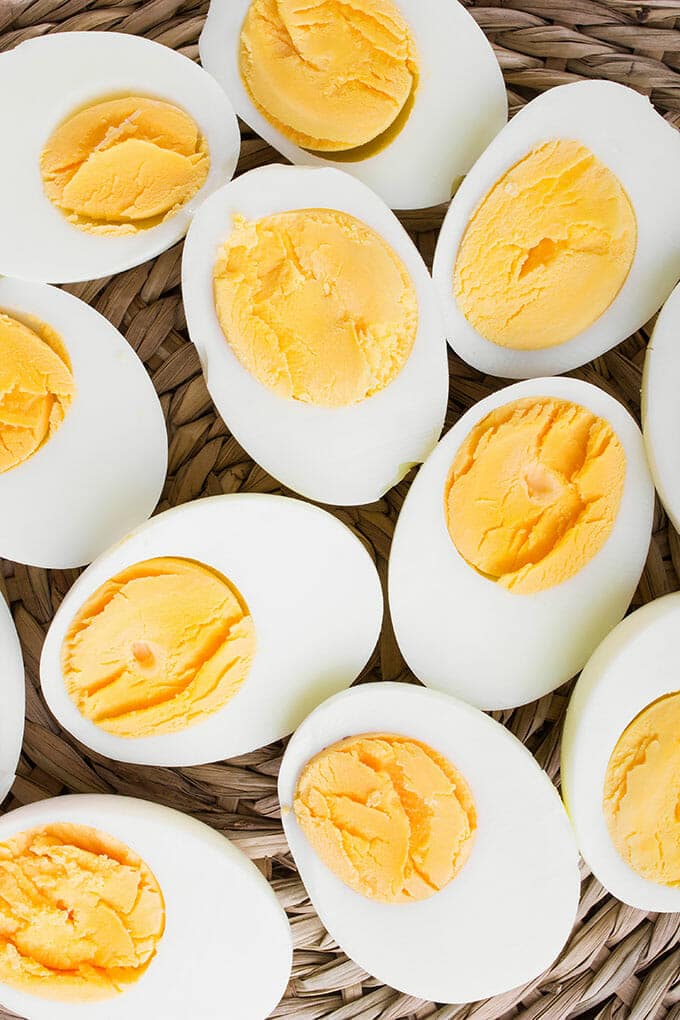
{"x": 36, "y": 388}
{"x": 157, "y": 648}
{"x": 388, "y": 815}
{"x": 642, "y": 789}
{"x": 534, "y": 491}
{"x": 329, "y": 76}
{"x": 124, "y": 165}
{"x": 547, "y": 249}
{"x": 316, "y": 305}
{"x": 81, "y": 915}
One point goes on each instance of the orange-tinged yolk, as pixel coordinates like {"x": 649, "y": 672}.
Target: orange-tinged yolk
{"x": 534, "y": 491}
{"x": 157, "y": 648}
{"x": 81, "y": 915}
{"x": 547, "y": 249}
{"x": 123, "y": 165}
{"x": 388, "y": 815}
{"x": 642, "y": 792}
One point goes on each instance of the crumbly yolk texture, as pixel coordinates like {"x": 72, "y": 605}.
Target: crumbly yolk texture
{"x": 642, "y": 792}
{"x": 157, "y": 648}
{"x": 388, "y": 815}
{"x": 124, "y": 165}
{"x": 547, "y": 249}
{"x": 533, "y": 492}
{"x": 316, "y": 305}
{"x": 81, "y": 915}
{"x": 36, "y": 388}
{"x": 330, "y": 75}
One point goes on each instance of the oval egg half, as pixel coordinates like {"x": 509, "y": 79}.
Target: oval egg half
{"x": 13, "y": 699}
{"x": 660, "y": 415}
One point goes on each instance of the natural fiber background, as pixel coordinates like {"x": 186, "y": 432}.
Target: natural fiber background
{"x": 620, "y": 962}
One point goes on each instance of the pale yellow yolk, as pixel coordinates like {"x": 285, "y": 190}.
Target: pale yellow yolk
{"x": 534, "y": 491}
{"x": 388, "y": 815}
{"x": 547, "y": 250}
{"x": 316, "y": 305}
{"x": 157, "y": 648}
{"x": 124, "y": 165}
{"x": 36, "y": 388}
{"x": 81, "y": 915}
{"x": 331, "y": 75}
{"x": 642, "y": 792}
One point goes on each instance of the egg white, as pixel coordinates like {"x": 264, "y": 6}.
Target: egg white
{"x": 660, "y": 408}
{"x": 48, "y": 79}
{"x": 624, "y": 131}
{"x": 12, "y": 698}
{"x": 469, "y": 636}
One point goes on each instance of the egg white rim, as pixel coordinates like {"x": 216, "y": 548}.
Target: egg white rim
{"x": 13, "y": 700}
{"x": 660, "y": 380}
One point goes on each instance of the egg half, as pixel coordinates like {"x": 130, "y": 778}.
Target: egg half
{"x": 13, "y": 699}
{"x": 660, "y": 417}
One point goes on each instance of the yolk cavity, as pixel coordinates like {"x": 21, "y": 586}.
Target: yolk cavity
{"x": 36, "y": 388}
{"x": 547, "y": 249}
{"x": 641, "y": 792}
{"x": 125, "y": 164}
{"x": 157, "y": 648}
{"x": 81, "y": 915}
{"x": 316, "y": 305}
{"x": 388, "y": 815}
{"x": 534, "y": 491}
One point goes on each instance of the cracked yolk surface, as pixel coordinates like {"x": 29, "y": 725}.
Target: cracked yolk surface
{"x": 547, "y": 249}
{"x": 36, "y": 388}
{"x": 124, "y": 165}
{"x": 81, "y": 915}
{"x": 331, "y": 75}
{"x": 316, "y": 305}
{"x": 157, "y": 648}
{"x": 642, "y": 792}
{"x": 389, "y": 816}
{"x": 533, "y": 492}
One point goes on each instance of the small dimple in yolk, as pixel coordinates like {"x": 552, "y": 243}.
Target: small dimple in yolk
{"x": 533, "y": 492}
{"x": 157, "y": 648}
{"x": 641, "y": 801}
{"x": 81, "y": 915}
{"x": 391, "y": 817}
{"x": 316, "y": 305}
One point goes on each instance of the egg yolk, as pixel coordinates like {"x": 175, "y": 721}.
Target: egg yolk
{"x": 329, "y": 76}
{"x": 641, "y": 790}
{"x": 533, "y": 492}
{"x": 81, "y": 915}
{"x": 547, "y": 249}
{"x": 389, "y": 816}
{"x": 36, "y": 388}
{"x": 123, "y": 165}
{"x": 316, "y": 305}
{"x": 157, "y": 648}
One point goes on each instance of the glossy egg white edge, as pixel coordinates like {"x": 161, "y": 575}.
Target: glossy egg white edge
{"x": 624, "y": 131}
{"x": 316, "y": 603}
{"x": 103, "y": 470}
{"x": 463, "y": 633}
{"x": 226, "y": 939}
{"x": 508, "y": 913}
{"x": 341, "y": 456}
{"x": 12, "y": 699}
{"x": 51, "y": 77}
{"x": 635, "y": 665}
{"x": 460, "y": 102}
{"x": 660, "y": 409}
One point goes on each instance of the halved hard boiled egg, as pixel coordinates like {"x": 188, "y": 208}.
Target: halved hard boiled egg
{"x": 660, "y": 412}
{"x": 560, "y": 243}
{"x": 521, "y": 542}
{"x": 12, "y": 698}
{"x": 115, "y": 142}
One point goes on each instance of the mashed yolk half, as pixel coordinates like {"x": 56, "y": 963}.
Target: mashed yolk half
{"x": 36, "y": 388}
{"x": 157, "y": 648}
{"x": 316, "y": 305}
{"x": 642, "y": 790}
{"x": 124, "y": 165}
{"x": 534, "y": 491}
{"x": 388, "y": 815}
{"x": 330, "y": 76}
{"x": 81, "y": 915}
{"x": 547, "y": 249}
